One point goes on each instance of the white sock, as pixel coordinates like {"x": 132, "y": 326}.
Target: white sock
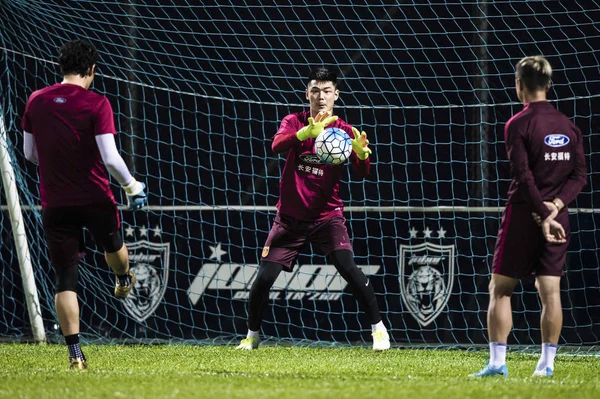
{"x": 497, "y": 354}
{"x": 378, "y": 327}
{"x": 253, "y": 334}
{"x": 548, "y": 355}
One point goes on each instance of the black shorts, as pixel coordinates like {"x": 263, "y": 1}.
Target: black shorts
{"x": 63, "y": 228}
{"x": 289, "y": 235}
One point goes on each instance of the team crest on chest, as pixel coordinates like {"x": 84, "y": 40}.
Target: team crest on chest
{"x": 265, "y": 251}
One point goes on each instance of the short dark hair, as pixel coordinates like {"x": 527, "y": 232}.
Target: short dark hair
{"x": 77, "y": 57}
{"x": 535, "y": 72}
{"x": 323, "y": 74}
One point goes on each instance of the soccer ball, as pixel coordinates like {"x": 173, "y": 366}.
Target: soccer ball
{"x": 333, "y": 146}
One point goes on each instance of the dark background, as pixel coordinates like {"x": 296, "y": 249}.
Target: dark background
{"x": 198, "y": 92}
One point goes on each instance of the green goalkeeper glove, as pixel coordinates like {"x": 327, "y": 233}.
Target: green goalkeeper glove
{"x": 360, "y": 144}
{"x": 316, "y": 126}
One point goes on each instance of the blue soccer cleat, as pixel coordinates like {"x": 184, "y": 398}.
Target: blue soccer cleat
{"x": 489, "y": 371}
{"x": 545, "y": 372}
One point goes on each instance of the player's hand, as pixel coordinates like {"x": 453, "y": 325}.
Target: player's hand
{"x": 136, "y": 196}
{"x": 360, "y": 144}
{"x": 553, "y": 209}
{"x": 316, "y": 125}
{"x": 553, "y": 232}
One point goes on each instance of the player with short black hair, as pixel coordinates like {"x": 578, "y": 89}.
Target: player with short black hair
{"x": 548, "y": 171}
{"x": 323, "y": 74}
{"x": 69, "y": 131}
{"x": 310, "y": 209}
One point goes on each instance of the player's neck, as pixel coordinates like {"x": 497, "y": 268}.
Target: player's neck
{"x": 534, "y": 97}
{"x": 76, "y": 80}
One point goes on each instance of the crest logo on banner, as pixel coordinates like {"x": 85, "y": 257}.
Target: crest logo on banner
{"x": 426, "y": 277}
{"x": 149, "y": 262}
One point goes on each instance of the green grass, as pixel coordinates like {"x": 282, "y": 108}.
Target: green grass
{"x": 183, "y": 371}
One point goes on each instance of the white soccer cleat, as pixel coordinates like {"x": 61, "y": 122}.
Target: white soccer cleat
{"x": 249, "y": 344}
{"x": 381, "y": 341}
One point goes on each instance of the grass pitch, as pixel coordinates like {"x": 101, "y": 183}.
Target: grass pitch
{"x": 184, "y": 371}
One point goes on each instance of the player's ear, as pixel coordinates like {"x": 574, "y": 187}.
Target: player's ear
{"x": 337, "y": 94}
{"x": 92, "y": 70}
{"x": 307, "y": 94}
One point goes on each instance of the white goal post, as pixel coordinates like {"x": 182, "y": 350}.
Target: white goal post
{"x": 18, "y": 230}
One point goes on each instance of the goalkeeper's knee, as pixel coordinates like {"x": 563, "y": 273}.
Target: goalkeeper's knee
{"x": 66, "y": 278}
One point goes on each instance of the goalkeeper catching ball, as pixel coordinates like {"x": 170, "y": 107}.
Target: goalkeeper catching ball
{"x": 310, "y": 209}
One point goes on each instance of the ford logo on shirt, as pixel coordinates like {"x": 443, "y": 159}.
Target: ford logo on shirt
{"x": 311, "y": 158}
{"x": 60, "y": 100}
{"x": 556, "y": 140}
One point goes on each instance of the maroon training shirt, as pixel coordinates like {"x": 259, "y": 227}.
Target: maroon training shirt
{"x": 546, "y": 156}
{"x": 65, "y": 120}
{"x": 309, "y": 189}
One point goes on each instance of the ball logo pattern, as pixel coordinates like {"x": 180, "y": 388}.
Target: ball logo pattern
{"x": 333, "y": 146}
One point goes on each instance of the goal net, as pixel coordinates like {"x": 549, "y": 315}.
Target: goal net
{"x": 198, "y": 93}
